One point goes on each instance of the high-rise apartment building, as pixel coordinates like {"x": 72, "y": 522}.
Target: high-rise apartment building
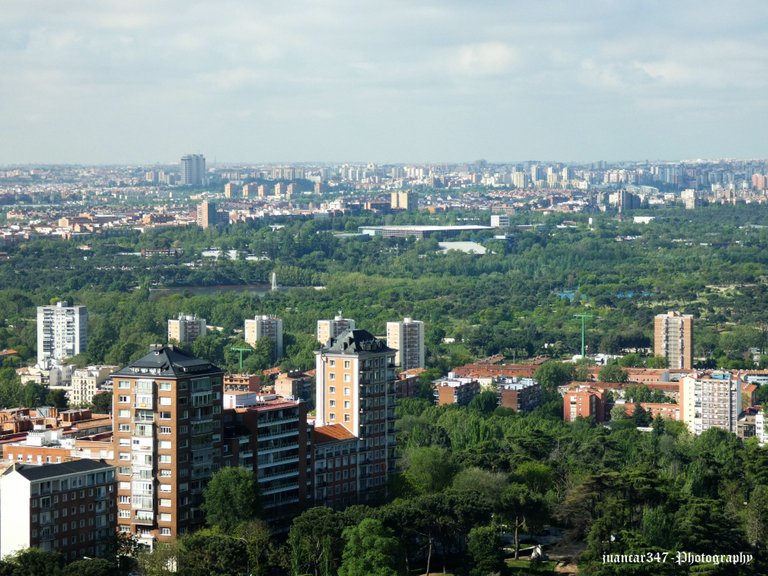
{"x": 407, "y": 337}
{"x": 167, "y": 441}
{"x": 264, "y": 326}
{"x": 269, "y": 435}
{"x": 327, "y": 329}
{"x": 355, "y": 396}
{"x": 62, "y": 332}
{"x": 404, "y": 200}
{"x": 673, "y": 339}
{"x": 710, "y": 400}
{"x": 186, "y": 329}
{"x": 192, "y": 170}
{"x": 206, "y": 214}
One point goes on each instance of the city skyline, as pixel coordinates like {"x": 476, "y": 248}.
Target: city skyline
{"x": 428, "y": 81}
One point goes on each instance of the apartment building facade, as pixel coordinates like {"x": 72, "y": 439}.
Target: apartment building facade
{"x": 167, "y": 441}
{"x": 68, "y": 508}
{"x": 355, "y": 388}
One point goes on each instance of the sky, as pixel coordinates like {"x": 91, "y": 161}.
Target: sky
{"x": 147, "y": 81}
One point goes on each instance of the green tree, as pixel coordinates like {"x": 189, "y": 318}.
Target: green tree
{"x": 314, "y": 540}
{"x": 91, "y": 567}
{"x": 612, "y": 373}
{"x": 428, "y": 469}
{"x": 36, "y": 562}
{"x": 756, "y": 520}
{"x": 486, "y": 551}
{"x": 210, "y": 552}
{"x": 371, "y": 550}
{"x": 102, "y": 403}
{"x": 552, "y": 374}
{"x": 522, "y": 508}
{"x": 231, "y": 497}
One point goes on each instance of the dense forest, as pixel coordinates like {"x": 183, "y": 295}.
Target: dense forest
{"x": 471, "y": 478}
{"x": 519, "y": 299}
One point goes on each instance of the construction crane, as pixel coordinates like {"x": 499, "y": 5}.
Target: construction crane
{"x": 583, "y": 328}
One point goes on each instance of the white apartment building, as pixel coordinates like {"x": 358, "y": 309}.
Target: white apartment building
{"x": 62, "y": 332}
{"x": 329, "y": 329}
{"x": 710, "y": 400}
{"x": 264, "y": 326}
{"x": 407, "y": 337}
{"x": 186, "y": 329}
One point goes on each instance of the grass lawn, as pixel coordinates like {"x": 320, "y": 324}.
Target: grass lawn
{"x": 523, "y": 567}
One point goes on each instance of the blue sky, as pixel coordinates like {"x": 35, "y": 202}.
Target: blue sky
{"x": 144, "y": 81}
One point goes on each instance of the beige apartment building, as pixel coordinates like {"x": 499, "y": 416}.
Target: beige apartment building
{"x": 673, "y": 339}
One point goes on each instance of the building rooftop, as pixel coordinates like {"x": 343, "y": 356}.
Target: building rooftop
{"x": 169, "y": 362}
{"x": 356, "y": 341}
{"x": 32, "y": 472}
{"x": 331, "y": 433}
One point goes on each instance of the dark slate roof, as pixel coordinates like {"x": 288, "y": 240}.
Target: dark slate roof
{"x": 41, "y": 472}
{"x": 168, "y": 362}
{"x": 356, "y": 341}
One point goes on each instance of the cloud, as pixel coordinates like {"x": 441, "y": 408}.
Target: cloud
{"x": 486, "y": 59}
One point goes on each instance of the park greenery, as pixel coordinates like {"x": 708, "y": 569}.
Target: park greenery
{"x": 471, "y": 479}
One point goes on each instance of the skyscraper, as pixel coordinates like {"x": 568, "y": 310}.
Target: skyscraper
{"x": 407, "y": 337}
{"x": 193, "y": 170}
{"x": 673, "y": 339}
{"x": 264, "y": 326}
{"x": 167, "y": 441}
{"x": 62, "y": 332}
{"x": 186, "y": 329}
{"x": 327, "y": 329}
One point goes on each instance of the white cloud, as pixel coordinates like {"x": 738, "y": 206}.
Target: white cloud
{"x": 486, "y": 59}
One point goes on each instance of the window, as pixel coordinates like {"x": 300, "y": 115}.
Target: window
{"x": 123, "y": 427}
{"x": 346, "y": 363}
{"x": 165, "y": 517}
{"x": 332, "y": 390}
{"x": 124, "y": 414}
{"x": 164, "y": 459}
{"x": 124, "y": 441}
{"x": 123, "y": 470}
{"x": 332, "y": 376}
{"x": 347, "y": 392}
{"x": 165, "y": 488}
{"x": 165, "y": 473}
{"x": 346, "y": 418}
{"x": 332, "y": 416}
{"x": 165, "y": 415}
{"x": 124, "y": 500}
{"x": 165, "y": 386}
{"x": 123, "y": 399}
{"x": 347, "y": 377}
{"x": 165, "y": 429}
{"x": 165, "y": 444}
{"x": 165, "y": 401}
{"x": 165, "y": 531}
{"x": 124, "y": 385}
{"x": 347, "y": 403}
{"x": 165, "y": 502}
{"x": 332, "y": 403}
{"x": 124, "y": 514}
{"x": 332, "y": 363}
{"x": 125, "y": 456}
